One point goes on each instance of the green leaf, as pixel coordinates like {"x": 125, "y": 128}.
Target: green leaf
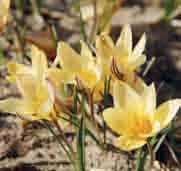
{"x": 140, "y": 163}
{"x": 58, "y": 139}
{"x": 75, "y": 121}
{"x": 81, "y": 166}
{"x": 170, "y": 6}
{"x": 2, "y": 57}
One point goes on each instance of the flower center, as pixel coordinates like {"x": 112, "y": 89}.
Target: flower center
{"x": 142, "y": 126}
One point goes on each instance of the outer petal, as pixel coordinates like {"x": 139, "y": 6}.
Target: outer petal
{"x": 136, "y": 82}
{"x": 27, "y": 86}
{"x": 69, "y": 59}
{"x": 138, "y": 62}
{"x": 125, "y": 40}
{"x": 87, "y": 59}
{"x": 11, "y": 105}
{"x": 47, "y": 98}
{"x": 85, "y": 51}
{"x": 59, "y": 76}
{"x": 149, "y": 99}
{"x": 118, "y": 120}
{"x": 89, "y": 77}
{"x": 20, "y": 107}
{"x": 167, "y": 111}
{"x": 104, "y": 46}
{"x": 39, "y": 62}
{"x": 126, "y": 98}
{"x": 139, "y": 48}
{"x": 16, "y": 68}
{"x": 129, "y": 143}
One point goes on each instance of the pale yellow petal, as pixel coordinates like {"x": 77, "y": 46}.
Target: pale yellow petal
{"x": 105, "y": 52}
{"x": 138, "y": 62}
{"x": 49, "y": 96}
{"x": 85, "y": 51}
{"x": 89, "y": 78}
{"x": 104, "y": 46}
{"x": 129, "y": 143}
{"x": 136, "y": 82}
{"x": 11, "y": 105}
{"x": 98, "y": 91}
{"x": 139, "y": 48}
{"x": 126, "y": 97}
{"x": 59, "y": 76}
{"x": 125, "y": 40}
{"x": 41, "y": 102}
{"x": 35, "y": 92}
{"x": 69, "y": 59}
{"x": 27, "y": 86}
{"x": 118, "y": 120}
{"x": 167, "y": 111}
{"x": 20, "y": 107}
{"x": 87, "y": 59}
{"x": 39, "y": 62}
{"x": 15, "y": 68}
{"x": 149, "y": 99}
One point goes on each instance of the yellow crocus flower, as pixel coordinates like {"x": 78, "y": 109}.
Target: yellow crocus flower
{"x": 4, "y": 8}
{"x": 135, "y": 116}
{"x": 55, "y": 76}
{"x": 37, "y": 98}
{"x": 38, "y": 93}
{"x": 127, "y": 59}
{"x": 82, "y": 66}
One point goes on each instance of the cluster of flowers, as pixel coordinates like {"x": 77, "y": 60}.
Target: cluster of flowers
{"x": 134, "y": 115}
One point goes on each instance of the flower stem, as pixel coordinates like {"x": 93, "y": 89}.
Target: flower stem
{"x": 151, "y": 153}
{"x": 95, "y": 22}
{"x": 141, "y": 160}
{"x": 91, "y": 103}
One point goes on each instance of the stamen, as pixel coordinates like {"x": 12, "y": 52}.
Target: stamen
{"x": 115, "y": 70}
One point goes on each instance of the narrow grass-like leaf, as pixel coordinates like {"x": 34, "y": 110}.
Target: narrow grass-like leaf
{"x": 75, "y": 121}
{"x": 81, "y": 166}
{"x": 160, "y": 141}
{"x": 141, "y": 160}
{"x": 82, "y": 26}
{"x": 149, "y": 65}
{"x": 58, "y": 139}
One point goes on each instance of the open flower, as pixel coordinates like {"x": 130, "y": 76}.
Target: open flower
{"x": 37, "y": 93}
{"x": 135, "y": 116}
{"x": 4, "y": 8}
{"x": 126, "y": 58}
{"x": 82, "y": 66}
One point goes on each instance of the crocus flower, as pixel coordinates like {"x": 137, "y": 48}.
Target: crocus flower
{"x": 135, "y": 116}
{"x": 122, "y": 53}
{"x": 82, "y": 66}
{"x": 37, "y": 93}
